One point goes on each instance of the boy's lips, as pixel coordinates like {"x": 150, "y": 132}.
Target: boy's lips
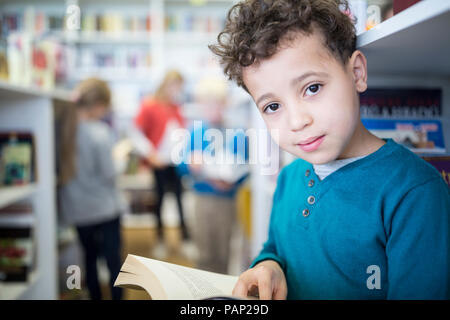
{"x": 307, "y": 141}
{"x": 311, "y": 144}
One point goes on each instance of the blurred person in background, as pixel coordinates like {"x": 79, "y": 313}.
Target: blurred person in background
{"x": 90, "y": 200}
{"x": 158, "y": 117}
{"x": 215, "y": 208}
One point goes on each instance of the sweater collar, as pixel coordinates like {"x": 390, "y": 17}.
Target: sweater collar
{"x": 365, "y": 161}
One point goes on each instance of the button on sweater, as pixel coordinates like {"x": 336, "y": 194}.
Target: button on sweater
{"x": 376, "y": 228}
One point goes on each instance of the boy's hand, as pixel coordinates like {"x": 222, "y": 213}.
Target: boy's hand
{"x": 195, "y": 168}
{"x": 266, "y": 278}
{"x": 221, "y": 185}
{"x": 196, "y": 162}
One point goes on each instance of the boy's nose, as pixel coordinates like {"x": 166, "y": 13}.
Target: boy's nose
{"x": 298, "y": 119}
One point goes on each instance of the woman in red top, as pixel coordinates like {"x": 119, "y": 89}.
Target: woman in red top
{"x": 157, "y": 118}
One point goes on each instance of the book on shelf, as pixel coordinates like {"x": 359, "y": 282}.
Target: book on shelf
{"x": 18, "y": 214}
{"x": 167, "y": 281}
{"x": 121, "y": 61}
{"x": 9, "y": 22}
{"x": 42, "y": 21}
{"x": 43, "y": 65}
{"x": 115, "y": 22}
{"x": 420, "y": 136}
{"x": 3, "y": 58}
{"x": 20, "y": 207}
{"x": 19, "y": 50}
{"x": 38, "y": 62}
{"x": 442, "y": 164}
{"x": 400, "y": 5}
{"x": 16, "y": 253}
{"x": 189, "y": 22}
{"x": 17, "y": 159}
{"x": 401, "y": 103}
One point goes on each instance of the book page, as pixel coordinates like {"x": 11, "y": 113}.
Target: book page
{"x": 181, "y": 282}
{"x": 224, "y": 166}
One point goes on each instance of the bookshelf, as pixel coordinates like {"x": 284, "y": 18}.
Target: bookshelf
{"x": 152, "y": 26}
{"x": 31, "y": 110}
{"x": 413, "y": 42}
{"x": 411, "y": 49}
{"x": 135, "y": 44}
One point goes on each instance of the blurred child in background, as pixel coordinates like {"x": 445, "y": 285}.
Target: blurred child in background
{"x": 90, "y": 200}
{"x": 215, "y": 209}
{"x": 158, "y": 116}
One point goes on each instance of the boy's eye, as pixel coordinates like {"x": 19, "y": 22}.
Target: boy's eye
{"x": 313, "y": 89}
{"x": 271, "y": 108}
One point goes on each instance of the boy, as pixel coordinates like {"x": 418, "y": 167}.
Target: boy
{"x": 356, "y": 217}
{"x": 215, "y": 208}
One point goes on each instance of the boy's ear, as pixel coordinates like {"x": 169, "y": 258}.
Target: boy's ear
{"x": 358, "y": 64}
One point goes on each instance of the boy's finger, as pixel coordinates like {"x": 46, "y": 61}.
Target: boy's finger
{"x": 240, "y": 289}
{"x": 280, "y": 293}
{"x": 265, "y": 287}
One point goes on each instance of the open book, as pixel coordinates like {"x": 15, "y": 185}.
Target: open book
{"x": 167, "y": 281}
{"x": 224, "y": 166}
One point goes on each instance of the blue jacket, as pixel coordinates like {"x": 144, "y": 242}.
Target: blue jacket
{"x": 377, "y": 228}
{"x": 234, "y": 147}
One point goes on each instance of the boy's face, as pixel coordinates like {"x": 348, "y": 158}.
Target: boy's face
{"x": 213, "y": 109}
{"x": 308, "y": 95}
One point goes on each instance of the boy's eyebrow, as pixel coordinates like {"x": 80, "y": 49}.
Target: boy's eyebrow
{"x": 306, "y": 75}
{"x": 263, "y": 97}
{"x": 294, "y": 82}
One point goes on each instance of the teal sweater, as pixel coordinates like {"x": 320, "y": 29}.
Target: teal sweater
{"x": 377, "y": 228}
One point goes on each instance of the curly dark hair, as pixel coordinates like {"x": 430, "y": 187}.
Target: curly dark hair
{"x": 255, "y": 28}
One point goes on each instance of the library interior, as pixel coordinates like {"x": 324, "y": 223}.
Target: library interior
{"x": 106, "y": 104}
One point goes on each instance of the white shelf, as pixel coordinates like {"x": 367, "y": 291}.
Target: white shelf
{"x": 193, "y": 38}
{"x": 125, "y": 38}
{"x": 115, "y": 74}
{"x": 10, "y": 195}
{"x": 31, "y": 110}
{"x": 142, "y": 38}
{"x": 17, "y": 220}
{"x": 15, "y": 290}
{"x": 10, "y": 89}
{"x": 415, "y": 41}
